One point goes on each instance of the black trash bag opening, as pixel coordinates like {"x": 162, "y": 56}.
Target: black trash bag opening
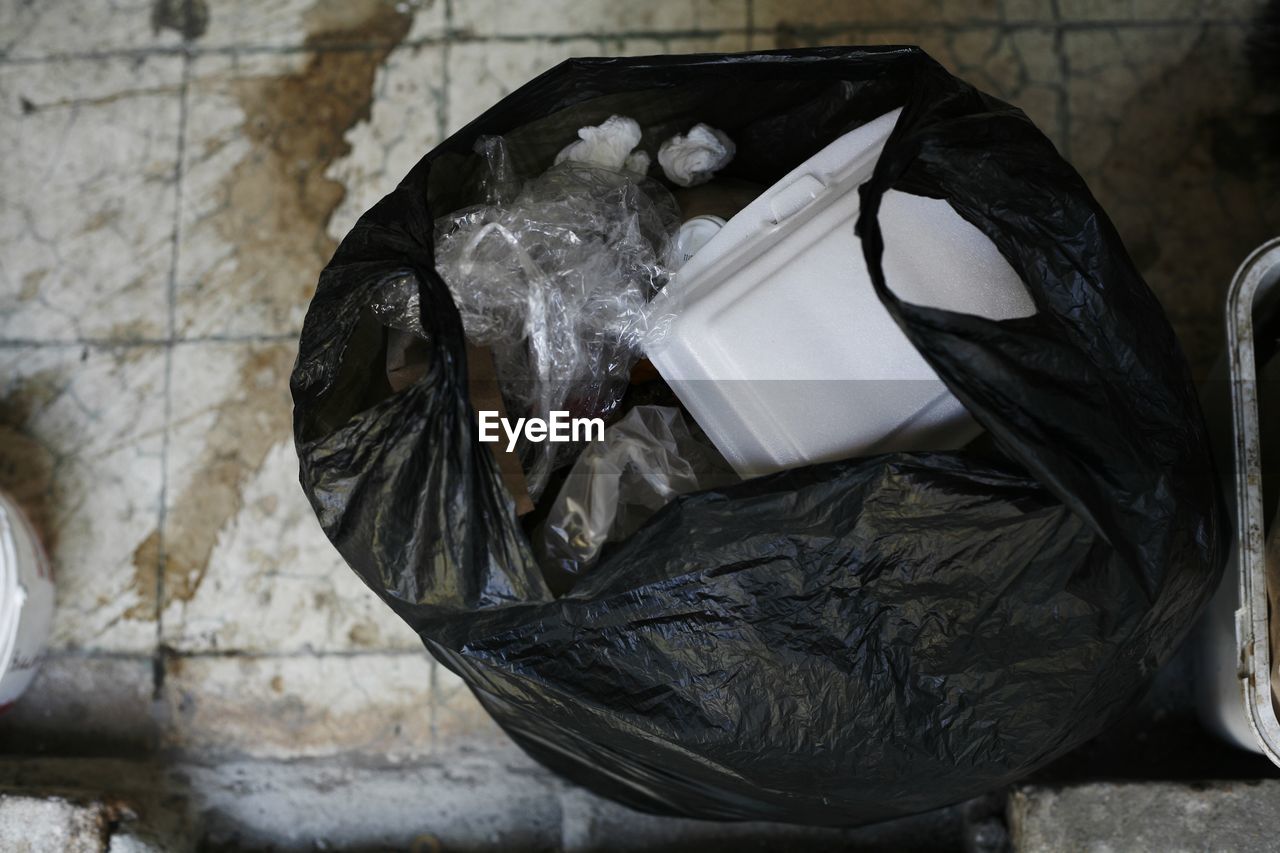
{"x": 785, "y": 123}
{"x": 841, "y": 643}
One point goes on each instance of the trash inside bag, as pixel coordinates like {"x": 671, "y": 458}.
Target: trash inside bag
{"x": 835, "y": 644}
{"x": 691, "y": 159}
{"x": 611, "y": 145}
{"x": 644, "y": 461}
{"x": 556, "y": 280}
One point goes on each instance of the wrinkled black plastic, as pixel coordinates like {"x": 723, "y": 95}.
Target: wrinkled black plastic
{"x": 831, "y": 645}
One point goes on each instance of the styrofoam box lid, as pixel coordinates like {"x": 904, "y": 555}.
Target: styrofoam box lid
{"x": 780, "y": 347}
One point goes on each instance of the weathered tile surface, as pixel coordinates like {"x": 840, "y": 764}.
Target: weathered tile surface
{"x": 818, "y": 15}
{"x": 304, "y": 706}
{"x": 297, "y": 23}
{"x": 589, "y": 17}
{"x": 247, "y": 567}
{"x": 405, "y": 122}
{"x": 263, "y": 131}
{"x": 458, "y": 717}
{"x": 1168, "y": 131}
{"x": 292, "y": 118}
{"x": 480, "y": 75}
{"x": 1239, "y": 11}
{"x": 730, "y": 42}
{"x": 992, "y": 11}
{"x": 81, "y": 435}
{"x": 85, "y": 705}
{"x": 1155, "y": 11}
{"x": 466, "y": 803}
{"x": 1017, "y": 65}
{"x": 68, "y": 27}
{"x": 86, "y": 214}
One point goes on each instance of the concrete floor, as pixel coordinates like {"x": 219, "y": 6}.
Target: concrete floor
{"x": 175, "y": 175}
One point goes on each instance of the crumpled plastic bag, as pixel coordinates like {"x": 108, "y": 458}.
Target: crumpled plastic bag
{"x": 555, "y": 276}
{"x": 644, "y": 461}
{"x": 837, "y": 644}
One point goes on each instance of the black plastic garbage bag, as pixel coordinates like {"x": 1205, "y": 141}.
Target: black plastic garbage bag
{"x": 831, "y": 645}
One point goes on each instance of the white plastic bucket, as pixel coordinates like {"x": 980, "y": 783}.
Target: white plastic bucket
{"x": 26, "y": 602}
{"x": 1235, "y": 681}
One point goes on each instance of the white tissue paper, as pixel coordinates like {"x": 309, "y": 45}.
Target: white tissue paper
{"x": 638, "y": 162}
{"x": 693, "y": 158}
{"x": 610, "y": 145}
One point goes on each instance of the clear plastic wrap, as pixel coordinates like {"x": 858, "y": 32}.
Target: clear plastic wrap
{"x": 645, "y": 460}
{"x": 395, "y": 305}
{"x": 556, "y": 278}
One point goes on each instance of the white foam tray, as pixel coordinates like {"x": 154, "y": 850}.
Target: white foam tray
{"x": 781, "y": 349}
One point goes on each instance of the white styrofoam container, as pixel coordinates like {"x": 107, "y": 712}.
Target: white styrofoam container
{"x": 26, "y": 602}
{"x": 781, "y": 349}
{"x": 1235, "y": 676}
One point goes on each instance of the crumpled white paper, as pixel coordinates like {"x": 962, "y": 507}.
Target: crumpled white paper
{"x": 610, "y": 145}
{"x": 693, "y": 158}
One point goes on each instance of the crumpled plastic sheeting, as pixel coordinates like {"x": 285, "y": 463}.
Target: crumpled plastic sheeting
{"x": 838, "y": 644}
{"x": 643, "y": 462}
{"x": 557, "y": 279}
